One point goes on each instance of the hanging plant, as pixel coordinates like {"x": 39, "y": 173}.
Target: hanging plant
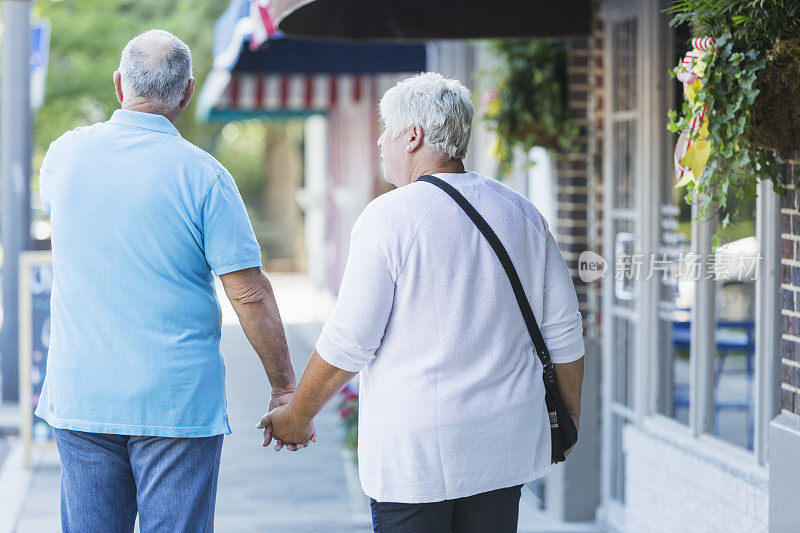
{"x": 529, "y": 105}
{"x": 775, "y": 117}
{"x": 741, "y": 104}
{"x": 724, "y": 94}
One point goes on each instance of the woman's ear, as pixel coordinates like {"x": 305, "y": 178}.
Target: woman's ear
{"x": 414, "y": 138}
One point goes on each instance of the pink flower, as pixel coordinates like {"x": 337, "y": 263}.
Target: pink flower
{"x": 344, "y": 413}
{"x": 351, "y": 396}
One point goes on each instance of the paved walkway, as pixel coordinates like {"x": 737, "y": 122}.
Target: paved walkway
{"x": 312, "y": 490}
{"x": 259, "y": 490}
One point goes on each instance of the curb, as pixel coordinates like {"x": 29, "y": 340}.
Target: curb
{"x": 360, "y": 512}
{"x": 15, "y": 482}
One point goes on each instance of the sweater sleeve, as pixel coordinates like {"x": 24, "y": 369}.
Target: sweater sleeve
{"x": 561, "y": 324}
{"x": 355, "y": 329}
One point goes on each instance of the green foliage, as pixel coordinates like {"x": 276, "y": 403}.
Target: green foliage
{"x": 242, "y": 149}
{"x": 87, "y": 38}
{"x": 529, "y": 107}
{"x": 752, "y": 24}
{"x": 734, "y": 166}
{"x": 775, "y": 117}
{"x": 744, "y": 31}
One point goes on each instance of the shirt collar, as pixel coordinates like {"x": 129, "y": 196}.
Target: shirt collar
{"x": 147, "y": 121}
{"x": 459, "y": 178}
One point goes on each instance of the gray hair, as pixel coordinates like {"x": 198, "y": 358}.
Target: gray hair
{"x": 441, "y": 107}
{"x": 156, "y": 66}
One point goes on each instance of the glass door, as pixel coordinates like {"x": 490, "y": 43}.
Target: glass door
{"x": 622, "y": 222}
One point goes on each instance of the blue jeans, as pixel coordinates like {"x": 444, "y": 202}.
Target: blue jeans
{"x": 106, "y": 479}
{"x": 496, "y": 511}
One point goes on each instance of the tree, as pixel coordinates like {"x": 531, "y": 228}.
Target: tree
{"x": 87, "y": 38}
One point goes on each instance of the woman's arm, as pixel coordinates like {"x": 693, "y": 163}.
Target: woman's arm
{"x": 570, "y": 381}
{"x": 293, "y": 422}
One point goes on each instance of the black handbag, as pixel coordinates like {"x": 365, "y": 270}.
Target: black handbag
{"x": 562, "y": 429}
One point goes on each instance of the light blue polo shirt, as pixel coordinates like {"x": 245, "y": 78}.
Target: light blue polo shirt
{"x": 140, "y": 217}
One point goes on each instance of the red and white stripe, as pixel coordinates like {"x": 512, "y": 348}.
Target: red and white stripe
{"x": 263, "y": 22}
{"x": 704, "y": 44}
{"x": 291, "y": 92}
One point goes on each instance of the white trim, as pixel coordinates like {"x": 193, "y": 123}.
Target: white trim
{"x": 649, "y": 188}
{"x": 606, "y": 510}
{"x": 627, "y": 115}
{"x": 790, "y": 388}
{"x": 611, "y": 511}
{"x": 790, "y": 362}
{"x": 711, "y": 449}
{"x": 702, "y": 341}
{"x": 624, "y": 214}
{"x": 768, "y": 324}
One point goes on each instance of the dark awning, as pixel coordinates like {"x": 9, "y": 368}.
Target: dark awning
{"x": 432, "y": 19}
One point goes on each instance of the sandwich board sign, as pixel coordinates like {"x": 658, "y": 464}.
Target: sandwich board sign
{"x": 36, "y": 284}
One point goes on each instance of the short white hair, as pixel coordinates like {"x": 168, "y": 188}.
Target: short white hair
{"x": 156, "y": 66}
{"x": 441, "y": 107}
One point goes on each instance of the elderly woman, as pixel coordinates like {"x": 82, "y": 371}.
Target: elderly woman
{"x": 452, "y": 416}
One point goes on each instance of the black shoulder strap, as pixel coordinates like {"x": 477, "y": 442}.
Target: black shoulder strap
{"x": 505, "y": 260}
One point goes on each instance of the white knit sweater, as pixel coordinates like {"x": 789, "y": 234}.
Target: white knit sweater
{"x": 451, "y": 393}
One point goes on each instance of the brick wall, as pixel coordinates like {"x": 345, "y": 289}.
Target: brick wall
{"x": 790, "y": 297}
{"x": 571, "y": 187}
{"x": 595, "y": 166}
{"x": 577, "y": 189}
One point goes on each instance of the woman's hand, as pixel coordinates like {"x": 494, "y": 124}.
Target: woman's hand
{"x": 288, "y": 427}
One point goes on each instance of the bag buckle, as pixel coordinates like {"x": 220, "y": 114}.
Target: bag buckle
{"x": 553, "y": 419}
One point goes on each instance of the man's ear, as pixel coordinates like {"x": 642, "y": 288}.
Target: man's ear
{"x": 187, "y": 94}
{"x": 118, "y": 85}
{"x": 415, "y": 136}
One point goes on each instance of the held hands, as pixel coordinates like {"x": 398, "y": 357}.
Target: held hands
{"x": 285, "y": 425}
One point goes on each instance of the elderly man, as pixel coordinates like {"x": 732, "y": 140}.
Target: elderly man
{"x": 135, "y": 384}
{"x": 452, "y": 414}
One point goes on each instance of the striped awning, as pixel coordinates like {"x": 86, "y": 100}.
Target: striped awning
{"x": 286, "y": 78}
{"x": 291, "y": 92}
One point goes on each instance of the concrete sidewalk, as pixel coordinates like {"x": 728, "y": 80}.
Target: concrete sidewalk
{"x": 312, "y": 490}
{"x": 259, "y": 489}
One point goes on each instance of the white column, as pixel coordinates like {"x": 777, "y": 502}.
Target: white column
{"x": 313, "y": 198}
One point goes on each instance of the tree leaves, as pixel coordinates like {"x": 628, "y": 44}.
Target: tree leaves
{"x": 87, "y": 38}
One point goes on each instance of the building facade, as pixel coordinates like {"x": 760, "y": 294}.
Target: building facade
{"x": 691, "y": 403}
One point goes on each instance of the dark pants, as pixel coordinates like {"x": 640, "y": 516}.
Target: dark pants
{"x": 496, "y": 511}
{"x": 106, "y": 479}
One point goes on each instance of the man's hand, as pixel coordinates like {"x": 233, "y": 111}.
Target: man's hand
{"x": 277, "y": 399}
{"x": 286, "y": 426}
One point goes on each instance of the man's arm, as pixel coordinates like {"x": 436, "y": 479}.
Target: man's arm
{"x": 250, "y": 293}
{"x": 570, "y": 381}
{"x": 292, "y": 422}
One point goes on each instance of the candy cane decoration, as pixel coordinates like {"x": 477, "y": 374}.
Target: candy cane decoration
{"x": 691, "y": 70}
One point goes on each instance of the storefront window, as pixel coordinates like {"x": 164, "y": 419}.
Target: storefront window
{"x": 675, "y": 301}
{"x": 736, "y": 268}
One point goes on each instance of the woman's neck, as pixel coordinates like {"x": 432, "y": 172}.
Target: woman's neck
{"x": 453, "y": 166}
